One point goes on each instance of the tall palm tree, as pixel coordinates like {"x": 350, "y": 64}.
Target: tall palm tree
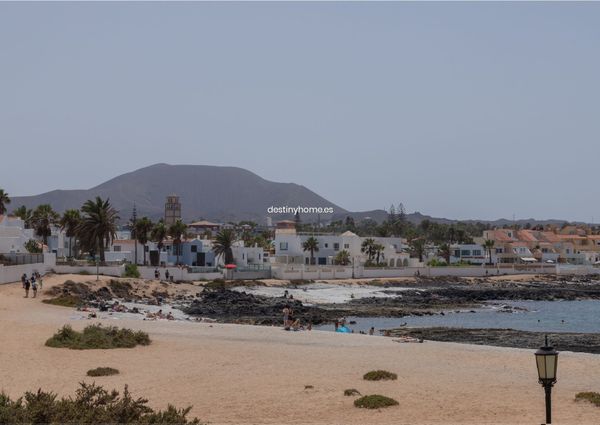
{"x": 177, "y": 232}
{"x": 417, "y": 248}
{"x": 223, "y": 244}
{"x": 158, "y": 234}
{"x": 378, "y": 251}
{"x": 142, "y": 229}
{"x": 342, "y": 258}
{"x": 69, "y": 222}
{"x": 43, "y": 218}
{"x": 24, "y": 214}
{"x": 312, "y": 245}
{"x": 368, "y": 247}
{"x": 98, "y": 226}
{"x": 4, "y": 201}
{"x": 489, "y": 245}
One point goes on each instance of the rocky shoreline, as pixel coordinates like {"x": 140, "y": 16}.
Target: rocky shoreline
{"x": 576, "y": 342}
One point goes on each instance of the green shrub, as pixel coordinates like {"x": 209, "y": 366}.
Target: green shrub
{"x": 351, "y": 392}
{"x": 91, "y": 405}
{"x": 380, "y": 375}
{"x": 97, "y": 337}
{"x": 102, "y": 371}
{"x": 591, "y": 396}
{"x": 66, "y": 300}
{"x": 374, "y": 402}
{"x": 84, "y": 272}
{"x": 131, "y": 270}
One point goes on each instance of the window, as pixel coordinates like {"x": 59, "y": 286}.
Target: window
{"x": 322, "y": 261}
{"x": 544, "y": 250}
{"x": 326, "y": 245}
{"x": 476, "y": 252}
{"x": 457, "y": 252}
{"x": 347, "y": 245}
{"x": 283, "y": 246}
{"x": 336, "y": 246}
{"x": 117, "y": 248}
{"x": 498, "y": 250}
{"x": 194, "y": 248}
{"x": 465, "y": 253}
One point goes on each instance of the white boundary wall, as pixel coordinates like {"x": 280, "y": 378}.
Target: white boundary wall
{"x": 145, "y": 272}
{"x": 9, "y": 274}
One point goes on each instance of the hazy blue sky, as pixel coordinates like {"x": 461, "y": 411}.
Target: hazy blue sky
{"x": 463, "y": 110}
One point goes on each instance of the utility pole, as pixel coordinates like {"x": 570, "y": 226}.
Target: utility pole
{"x": 134, "y": 220}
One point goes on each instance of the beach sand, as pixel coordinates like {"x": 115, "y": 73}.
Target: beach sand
{"x": 237, "y": 374}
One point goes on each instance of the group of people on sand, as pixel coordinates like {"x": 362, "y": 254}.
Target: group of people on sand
{"x": 34, "y": 282}
{"x": 290, "y": 322}
{"x": 157, "y": 274}
{"x": 159, "y": 315}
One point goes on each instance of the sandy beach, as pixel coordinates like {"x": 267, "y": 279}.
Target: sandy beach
{"x": 241, "y": 374}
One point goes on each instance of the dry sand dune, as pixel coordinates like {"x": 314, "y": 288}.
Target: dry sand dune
{"x": 235, "y": 374}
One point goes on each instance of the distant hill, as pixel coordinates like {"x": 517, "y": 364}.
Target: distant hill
{"x": 214, "y": 193}
{"x": 210, "y": 192}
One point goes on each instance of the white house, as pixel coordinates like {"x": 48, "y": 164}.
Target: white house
{"x": 467, "y": 253}
{"x": 13, "y": 235}
{"x": 288, "y": 248}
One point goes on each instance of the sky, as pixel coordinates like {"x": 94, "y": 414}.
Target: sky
{"x": 460, "y": 110}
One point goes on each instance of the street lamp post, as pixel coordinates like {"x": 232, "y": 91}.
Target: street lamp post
{"x": 546, "y": 359}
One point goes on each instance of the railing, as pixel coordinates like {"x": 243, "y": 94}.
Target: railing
{"x": 253, "y": 268}
{"x": 13, "y": 259}
{"x": 196, "y": 269}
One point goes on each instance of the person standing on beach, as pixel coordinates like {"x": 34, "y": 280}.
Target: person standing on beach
{"x": 156, "y": 274}
{"x": 39, "y": 278}
{"x": 23, "y": 279}
{"x": 286, "y": 317}
{"x": 34, "y": 286}
{"x": 167, "y": 274}
{"x": 26, "y": 286}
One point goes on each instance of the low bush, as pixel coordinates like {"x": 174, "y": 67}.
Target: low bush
{"x": 84, "y": 272}
{"x": 97, "y": 337}
{"x": 131, "y": 270}
{"x": 66, "y": 300}
{"x": 591, "y": 396}
{"x": 380, "y": 375}
{"x": 351, "y": 392}
{"x": 91, "y": 405}
{"x": 102, "y": 371}
{"x": 374, "y": 402}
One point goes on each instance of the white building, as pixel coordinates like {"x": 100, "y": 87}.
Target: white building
{"x": 288, "y": 247}
{"x": 467, "y": 253}
{"x": 13, "y": 235}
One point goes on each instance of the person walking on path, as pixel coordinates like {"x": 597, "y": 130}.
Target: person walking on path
{"x": 26, "y": 286}
{"x": 34, "y": 287}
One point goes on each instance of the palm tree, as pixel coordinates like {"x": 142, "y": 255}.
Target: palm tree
{"x": 417, "y": 248}
{"x": 158, "y": 234}
{"x": 368, "y": 247}
{"x": 142, "y": 230}
{"x": 223, "y": 244}
{"x": 489, "y": 245}
{"x": 177, "y": 232}
{"x": 24, "y": 214}
{"x": 98, "y": 226}
{"x": 312, "y": 245}
{"x": 445, "y": 251}
{"x": 43, "y": 218}
{"x": 342, "y": 258}
{"x": 4, "y": 201}
{"x": 69, "y": 222}
{"x": 378, "y": 251}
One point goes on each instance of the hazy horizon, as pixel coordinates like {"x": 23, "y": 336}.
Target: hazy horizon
{"x": 457, "y": 110}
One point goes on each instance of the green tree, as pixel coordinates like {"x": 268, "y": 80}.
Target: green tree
{"x": 43, "y": 218}
{"x": 489, "y": 245}
{"x": 368, "y": 247}
{"x": 98, "y": 225}
{"x": 177, "y": 232}
{"x": 159, "y": 233}
{"x": 68, "y": 223}
{"x": 311, "y": 245}
{"x": 342, "y": 258}
{"x": 445, "y": 251}
{"x": 4, "y": 201}
{"x": 142, "y": 230}
{"x": 33, "y": 246}
{"x": 378, "y": 251}
{"x": 417, "y": 248}
{"x": 223, "y": 244}
{"x": 24, "y": 214}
